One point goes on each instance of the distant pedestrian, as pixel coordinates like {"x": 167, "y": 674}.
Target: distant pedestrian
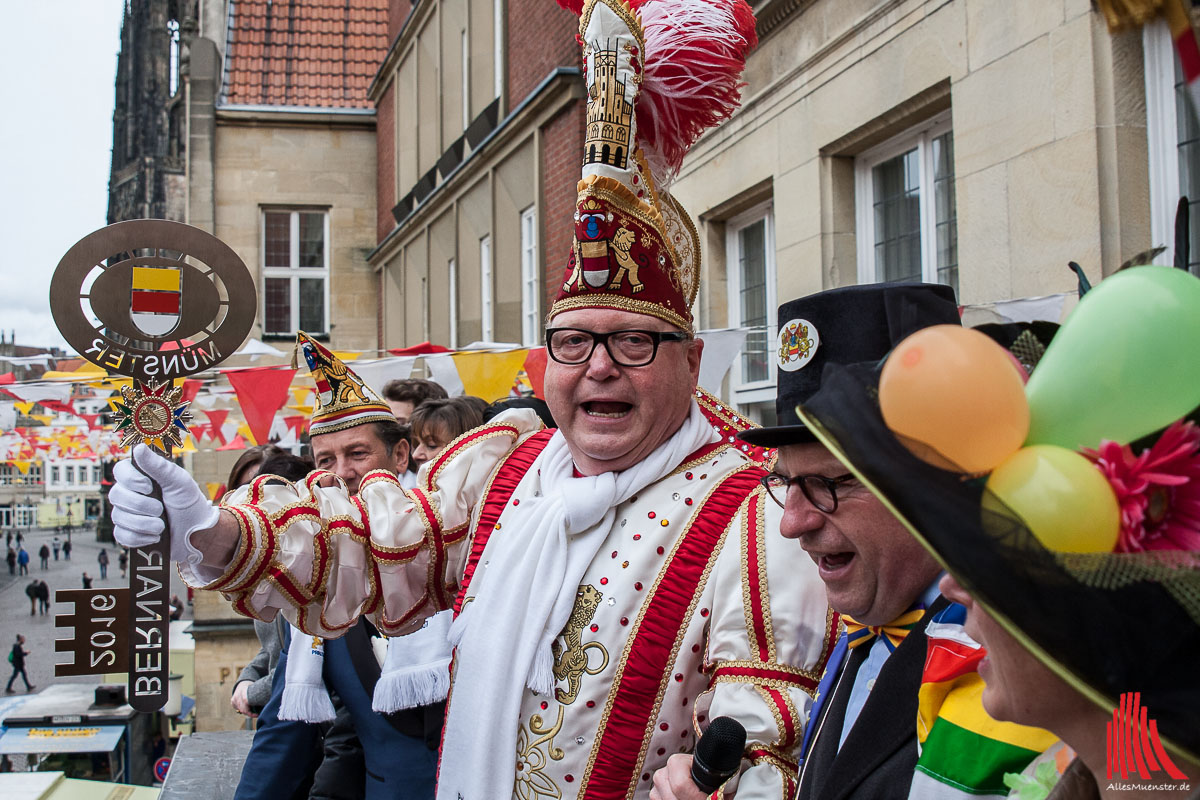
{"x": 31, "y": 591}
{"x": 16, "y": 657}
{"x": 43, "y": 596}
{"x": 12, "y": 561}
{"x": 123, "y": 561}
{"x": 67, "y": 550}
{"x": 20, "y": 538}
{"x": 102, "y": 560}
{"x": 8, "y": 538}
{"x": 87, "y": 581}
{"x": 57, "y": 545}
{"x": 22, "y": 561}
{"x": 44, "y": 555}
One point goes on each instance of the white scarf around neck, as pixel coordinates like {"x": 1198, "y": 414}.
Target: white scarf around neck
{"x": 523, "y": 598}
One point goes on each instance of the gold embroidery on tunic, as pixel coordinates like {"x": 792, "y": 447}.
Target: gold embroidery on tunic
{"x": 532, "y": 781}
{"x": 571, "y": 656}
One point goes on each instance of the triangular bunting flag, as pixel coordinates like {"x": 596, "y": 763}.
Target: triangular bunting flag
{"x": 261, "y": 391}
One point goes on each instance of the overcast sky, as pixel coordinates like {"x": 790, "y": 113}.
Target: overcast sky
{"x": 59, "y": 62}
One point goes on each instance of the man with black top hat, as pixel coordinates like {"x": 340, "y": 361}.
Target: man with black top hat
{"x": 862, "y": 736}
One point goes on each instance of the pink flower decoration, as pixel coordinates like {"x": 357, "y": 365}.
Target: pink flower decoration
{"x": 1158, "y": 491}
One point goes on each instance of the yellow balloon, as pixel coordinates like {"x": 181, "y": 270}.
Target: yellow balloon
{"x": 1060, "y": 496}
{"x": 951, "y": 395}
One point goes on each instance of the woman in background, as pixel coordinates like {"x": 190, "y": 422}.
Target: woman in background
{"x": 437, "y": 423}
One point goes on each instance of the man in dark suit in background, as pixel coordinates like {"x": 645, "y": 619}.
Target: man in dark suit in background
{"x": 365, "y": 754}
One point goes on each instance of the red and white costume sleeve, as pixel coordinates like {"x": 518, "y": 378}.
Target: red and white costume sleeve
{"x": 695, "y": 606}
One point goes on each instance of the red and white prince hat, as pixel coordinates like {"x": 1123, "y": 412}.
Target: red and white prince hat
{"x": 659, "y": 73}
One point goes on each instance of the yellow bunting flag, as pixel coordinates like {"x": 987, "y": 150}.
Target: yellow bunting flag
{"x": 25, "y": 408}
{"x": 489, "y": 375}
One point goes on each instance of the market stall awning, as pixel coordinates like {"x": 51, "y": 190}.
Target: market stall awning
{"x": 62, "y": 739}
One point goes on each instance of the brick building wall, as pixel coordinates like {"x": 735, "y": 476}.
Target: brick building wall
{"x": 398, "y": 11}
{"x": 540, "y": 37}
{"x": 562, "y": 154}
{"x": 385, "y": 149}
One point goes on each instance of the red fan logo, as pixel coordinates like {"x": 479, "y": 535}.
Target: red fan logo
{"x": 1133, "y": 746}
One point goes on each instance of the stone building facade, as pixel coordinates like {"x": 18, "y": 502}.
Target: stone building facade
{"x": 974, "y": 143}
{"x": 250, "y": 119}
{"x": 480, "y": 134}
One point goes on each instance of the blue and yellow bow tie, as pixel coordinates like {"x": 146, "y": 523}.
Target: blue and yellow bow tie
{"x": 893, "y": 633}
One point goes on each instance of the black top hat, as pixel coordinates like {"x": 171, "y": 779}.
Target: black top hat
{"x": 843, "y": 326}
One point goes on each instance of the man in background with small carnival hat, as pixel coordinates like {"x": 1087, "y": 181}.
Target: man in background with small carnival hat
{"x": 614, "y": 580}
{"x": 389, "y": 756}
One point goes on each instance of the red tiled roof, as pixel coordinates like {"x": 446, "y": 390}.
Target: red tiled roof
{"x": 316, "y": 53}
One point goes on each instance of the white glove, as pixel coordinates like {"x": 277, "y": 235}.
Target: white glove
{"x": 137, "y": 517}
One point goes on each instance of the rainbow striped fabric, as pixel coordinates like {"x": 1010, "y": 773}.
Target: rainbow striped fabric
{"x": 963, "y": 751}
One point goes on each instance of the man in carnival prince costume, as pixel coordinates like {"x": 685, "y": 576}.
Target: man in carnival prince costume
{"x": 618, "y": 582}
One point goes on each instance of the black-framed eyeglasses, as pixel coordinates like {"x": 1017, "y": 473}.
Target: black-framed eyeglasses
{"x": 629, "y": 348}
{"x": 820, "y": 490}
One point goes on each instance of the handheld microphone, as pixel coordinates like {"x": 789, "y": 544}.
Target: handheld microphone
{"x": 718, "y": 754}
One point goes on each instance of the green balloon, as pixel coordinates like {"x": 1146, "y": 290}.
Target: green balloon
{"x": 1124, "y": 364}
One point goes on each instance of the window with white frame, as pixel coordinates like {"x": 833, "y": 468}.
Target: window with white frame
{"x": 530, "y": 284}
{"x": 452, "y": 276}
{"x": 907, "y": 226}
{"x": 1173, "y": 139}
{"x": 750, "y": 270}
{"x": 95, "y": 475}
{"x": 54, "y": 476}
{"x": 485, "y": 289}
{"x": 295, "y": 272}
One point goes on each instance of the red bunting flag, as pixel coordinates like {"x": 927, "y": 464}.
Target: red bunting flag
{"x": 191, "y": 387}
{"x": 238, "y": 443}
{"x": 422, "y": 349}
{"x": 216, "y": 419}
{"x": 261, "y": 391}
{"x": 535, "y": 368}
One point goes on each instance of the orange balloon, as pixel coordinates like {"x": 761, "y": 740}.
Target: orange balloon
{"x": 951, "y": 395}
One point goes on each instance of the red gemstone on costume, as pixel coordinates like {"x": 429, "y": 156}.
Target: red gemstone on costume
{"x": 624, "y": 620}
{"x": 662, "y": 750}
{"x": 516, "y": 502}
{"x": 704, "y": 612}
{"x": 638, "y": 586}
{"x": 604, "y": 581}
{"x": 545, "y": 705}
{"x": 637, "y": 537}
{"x": 695, "y": 648}
{"x": 687, "y": 501}
{"x": 661, "y": 551}
{"x": 614, "y": 554}
{"x": 665, "y": 726}
{"x": 591, "y": 703}
{"x": 595, "y": 628}
{"x": 650, "y": 515}
{"x": 688, "y": 475}
{"x": 679, "y": 677}
{"x": 568, "y": 778}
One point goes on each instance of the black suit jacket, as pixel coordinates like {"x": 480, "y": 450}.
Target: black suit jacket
{"x": 879, "y": 755}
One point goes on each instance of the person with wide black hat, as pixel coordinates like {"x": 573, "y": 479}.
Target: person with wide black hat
{"x": 1099, "y": 645}
{"x": 862, "y": 737}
